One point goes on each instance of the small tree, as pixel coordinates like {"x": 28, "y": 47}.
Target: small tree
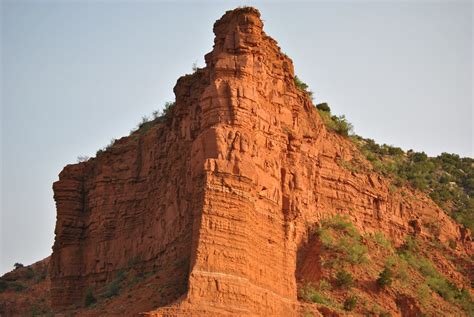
{"x": 323, "y": 107}
{"x": 303, "y": 86}
{"x": 168, "y": 108}
{"x": 18, "y": 266}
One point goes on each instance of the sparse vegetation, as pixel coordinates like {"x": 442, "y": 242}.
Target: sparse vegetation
{"x": 311, "y": 294}
{"x": 303, "y": 87}
{"x": 30, "y": 273}
{"x": 448, "y": 179}
{"x": 168, "y": 109}
{"x": 338, "y": 124}
{"x": 157, "y": 117}
{"x": 350, "y": 303}
{"x": 17, "y": 287}
{"x": 385, "y": 277}
{"x": 90, "y": 299}
{"x": 343, "y": 247}
{"x": 113, "y": 288}
{"x": 380, "y": 239}
{"x": 423, "y": 293}
{"x": 40, "y": 310}
{"x": 143, "y": 126}
{"x": 11, "y": 285}
{"x": 40, "y": 276}
{"x": 3, "y": 285}
{"x": 344, "y": 279}
{"x": 340, "y": 236}
{"x": 108, "y": 147}
{"x": 411, "y": 254}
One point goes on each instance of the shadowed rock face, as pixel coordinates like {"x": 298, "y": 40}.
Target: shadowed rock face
{"x": 220, "y": 198}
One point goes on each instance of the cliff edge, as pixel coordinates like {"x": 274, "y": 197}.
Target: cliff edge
{"x": 213, "y": 208}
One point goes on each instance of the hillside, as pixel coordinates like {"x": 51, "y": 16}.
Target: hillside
{"x": 244, "y": 198}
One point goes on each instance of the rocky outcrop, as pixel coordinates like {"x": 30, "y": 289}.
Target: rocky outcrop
{"x": 219, "y": 199}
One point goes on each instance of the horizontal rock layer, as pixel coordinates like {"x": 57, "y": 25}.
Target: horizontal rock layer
{"x": 220, "y": 198}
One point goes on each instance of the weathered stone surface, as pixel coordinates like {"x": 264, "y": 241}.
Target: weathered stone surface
{"x": 219, "y": 198}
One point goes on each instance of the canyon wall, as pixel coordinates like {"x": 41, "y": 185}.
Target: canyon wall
{"x": 220, "y": 198}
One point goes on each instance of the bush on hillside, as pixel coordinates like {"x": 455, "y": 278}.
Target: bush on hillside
{"x": 385, "y": 278}
{"x": 90, "y": 299}
{"x": 342, "y": 238}
{"x": 344, "y": 279}
{"x": 303, "y": 86}
{"x": 350, "y": 303}
{"x": 323, "y": 107}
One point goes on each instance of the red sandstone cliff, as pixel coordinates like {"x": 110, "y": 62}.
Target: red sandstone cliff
{"x": 217, "y": 202}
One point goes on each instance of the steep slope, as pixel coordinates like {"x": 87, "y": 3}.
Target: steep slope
{"x": 212, "y": 209}
{"x": 25, "y": 291}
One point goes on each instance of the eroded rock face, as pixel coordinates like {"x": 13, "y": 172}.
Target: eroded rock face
{"x": 220, "y": 198}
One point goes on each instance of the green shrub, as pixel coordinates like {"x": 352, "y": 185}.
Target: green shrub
{"x": 380, "y": 239}
{"x": 423, "y": 293}
{"x": 303, "y": 86}
{"x": 350, "y": 303}
{"x": 447, "y": 178}
{"x": 323, "y": 107}
{"x": 355, "y": 252}
{"x": 168, "y": 109}
{"x": 409, "y": 246}
{"x": 324, "y": 285}
{"x": 342, "y": 126}
{"x": 30, "y": 273}
{"x": 394, "y": 151}
{"x": 426, "y": 267}
{"x": 340, "y": 236}
{"x": 40, "y": 276}
{"x": 338, "y": 124}
{"x": 344, "y": 279}
{"x": 319, "y": 298}
{"x": 340, "y": 222}
{"x": 309, "y": 293}
{"x": 325, "y": 237}
{"x": 409, "y": 252}
{"x": 90, "y": 299}
{"x": 385, "y": 277}
{"x": 113, "y": 288}
{"x": 3, "y": 285}
{"x": 18, "y": 266}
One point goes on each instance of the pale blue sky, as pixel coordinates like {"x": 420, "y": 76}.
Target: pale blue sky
{"x": 76, "y": 74}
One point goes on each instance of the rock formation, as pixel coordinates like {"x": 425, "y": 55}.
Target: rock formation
{"x": 219, "y": 199}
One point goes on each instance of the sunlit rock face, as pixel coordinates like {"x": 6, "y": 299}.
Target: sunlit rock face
{"x": 219, "y": 199}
